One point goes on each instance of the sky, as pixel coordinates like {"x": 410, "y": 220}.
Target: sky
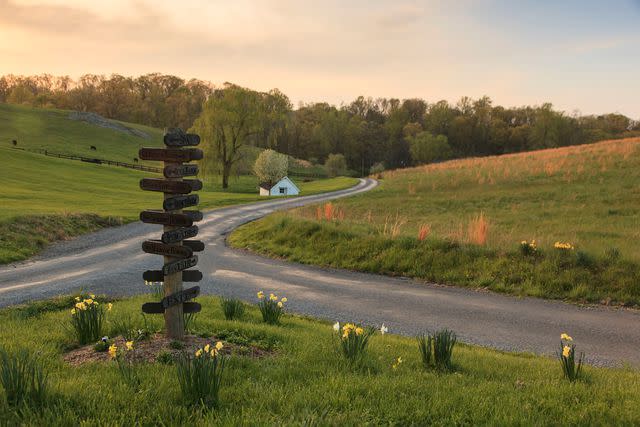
{"x": 579, "y": 55}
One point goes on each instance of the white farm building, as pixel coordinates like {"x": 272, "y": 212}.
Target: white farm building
{"x": 284, "y": 187}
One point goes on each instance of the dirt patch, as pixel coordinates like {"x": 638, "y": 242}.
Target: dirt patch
{"x": 148, "y": 350}
{"x": 98, "y": 120}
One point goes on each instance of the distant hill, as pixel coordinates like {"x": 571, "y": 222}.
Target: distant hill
{"x": 74, "y": 133}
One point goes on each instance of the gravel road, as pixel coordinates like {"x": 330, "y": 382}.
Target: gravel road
{"x": 111, "y": 262}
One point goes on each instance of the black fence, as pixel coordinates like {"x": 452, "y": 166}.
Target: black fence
{"x": 94, "y": 160}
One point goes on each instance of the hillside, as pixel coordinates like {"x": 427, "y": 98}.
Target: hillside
{"x": 474, "y": 214}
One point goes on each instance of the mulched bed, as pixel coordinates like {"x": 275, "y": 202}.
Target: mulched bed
{"x": 148, "y": 350}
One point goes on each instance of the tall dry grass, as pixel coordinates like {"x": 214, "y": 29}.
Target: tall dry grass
{"x": 478, "y": 230}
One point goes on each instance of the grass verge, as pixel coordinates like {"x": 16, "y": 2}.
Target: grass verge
{"x": 308, "y": 382}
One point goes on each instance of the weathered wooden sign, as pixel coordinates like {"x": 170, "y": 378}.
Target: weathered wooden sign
{"x": 157, "y": 308}
{"x": 158, "y": 276}
{"x": 195, "y": 245}
{"x": 180, "y": 202}
{"x": 172, "y": 155}
{"x": 194, "y": 215}
{"x": 181, "y": 139}
{"x": 158, "y": 248}
{"x": 179, "y": 265}
{"x": 172, "y": 187}
{"x": 178, "y": 171}
{"x": 174, "y": 236}
{"x": 166, "y": 218}
{"x": 180, "y": 297}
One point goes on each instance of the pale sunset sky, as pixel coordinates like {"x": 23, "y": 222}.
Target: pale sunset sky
{"x": 578, "y": 55}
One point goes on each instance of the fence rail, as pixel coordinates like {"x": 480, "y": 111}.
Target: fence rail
{"x": 94, "y": 160}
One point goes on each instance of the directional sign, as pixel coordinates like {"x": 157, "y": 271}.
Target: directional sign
{"x": 165, "y": 218}
{"x": 180, "y": 202}
{"x": 178, "y": 171}
{"x": 181, "y": 139}
{"x": 158, "y": 276}
{"x": 174, "y": 155}
{"x": 159, "y": 248}
{"x": 194, "y": 215}
{"x": 179, "y": 265}
{"x": 174, "y": 236}
{"x": 157, "y": 308}
{"x": 195, "y": 245}
{"x": 180, "y": 297}
{"x": 173, "y": 187}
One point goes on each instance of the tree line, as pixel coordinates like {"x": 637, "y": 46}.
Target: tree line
{"x": 369, "y": 133}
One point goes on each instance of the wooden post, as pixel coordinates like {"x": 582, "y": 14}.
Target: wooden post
{"x": 173, "y": 316}
{"x": 178, "y": 226}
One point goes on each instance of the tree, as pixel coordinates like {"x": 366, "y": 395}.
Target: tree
{"x": 427, "y": 148}
{"x": 335, "y": 165}
{"x": 229, "y": 120}
{"x": 271, "y": 166}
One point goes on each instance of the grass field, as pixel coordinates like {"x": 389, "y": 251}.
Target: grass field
{"x": 305, "y": 381}
{"x": 44, "y": 199}
{"x": 462, "y": 222}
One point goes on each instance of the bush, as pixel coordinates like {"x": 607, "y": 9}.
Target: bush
{"x": 354, "y": 340}
{"x": 436, "y": 350}
{"x": 377, "y": 168}
{"x": 335, "y": 165}
{"x": 427, "y": 148}
{"x": 200, "y": 374}
{"x": 23, "y": 378}
{"x": 232, "y": 308}
{"x": 87, "y": 319}
{"x": 271, "y": 308}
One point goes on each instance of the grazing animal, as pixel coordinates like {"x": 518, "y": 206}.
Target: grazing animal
{"x": 93, "y": 147}
{"x": 135, "y": 160}
{"x": 14, "y": 142}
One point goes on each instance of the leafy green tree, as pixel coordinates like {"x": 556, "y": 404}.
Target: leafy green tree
{"x": 427, "y": 148}
{"x": 271, "y": 166}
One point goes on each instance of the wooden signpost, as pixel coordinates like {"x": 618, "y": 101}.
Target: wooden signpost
{"x": 177, "y": 227}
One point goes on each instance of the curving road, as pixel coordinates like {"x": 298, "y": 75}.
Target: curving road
{"x": 111, "y": 262}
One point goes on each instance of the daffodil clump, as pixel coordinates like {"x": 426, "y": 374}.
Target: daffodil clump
{"x": 87, "y": 318}
{"x": 354, "y": 340}
{"x": 125, "y": 363}
{"x": 271, "y": 308}
{"x": 563, "y": 246}
{"x": 571, "y": 368}
{"x": 528, "y": 248}
{"x": 155, "y": 288}
{"x": 200, "y": 374}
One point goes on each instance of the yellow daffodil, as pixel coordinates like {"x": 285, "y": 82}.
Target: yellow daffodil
{"x": 260, "y": 295}
{"x": 88, "y": 301}
{"x": 199, "y": 353}
{"x": 272, "y": 297}
{"x": 92, "y": 296}
{"x": 109, "y": 307}
{"x": 129, "y": 345}
{"x": 113, "y": 350}
{"x": 280, "y": 304}
{"x": 219, "y": 345}
{"x": 73, "y": 311}
{"x": 566, "y": 337}
{"x": 284, "y": 299}
{"x": 359, "y": 331}
{"x": 214, "y": 352}
{"x": 566, "y": 351}
{"x": 78, "y": 299}
{"x": 206, "y": 348}
{"x": 81, "y": 306}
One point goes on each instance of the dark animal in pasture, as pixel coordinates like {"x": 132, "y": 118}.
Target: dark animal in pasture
{"x": 93, "y": 147}
{"x": 135, "y": 160}
{"x": 14, "y": 142}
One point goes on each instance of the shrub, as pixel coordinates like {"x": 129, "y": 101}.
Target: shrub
{"x": 572, "y": 370}
{"x": 271, "y": 308}
{"x": 377, "y": 168}
{"x": 436, "y": 350}
{"x": 126, "y": 367}
{"x": 232, "y": 308}
{"x": 335, "y": 165}
{"x": 23, "y": 378}
{"x": 354, "y": 340}
{"x": 200, "y": 374}
{"x": 87, "y": 319}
